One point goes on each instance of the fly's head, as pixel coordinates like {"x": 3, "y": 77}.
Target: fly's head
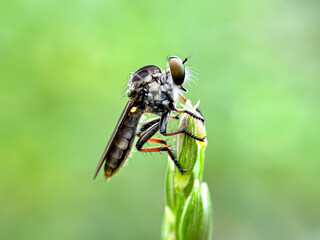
{"x": 177, "y": 71}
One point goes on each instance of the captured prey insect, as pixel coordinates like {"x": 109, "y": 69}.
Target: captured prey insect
{"x": 150, "y": 90}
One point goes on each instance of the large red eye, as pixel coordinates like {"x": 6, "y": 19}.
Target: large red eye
{"x": 177, "y": 70}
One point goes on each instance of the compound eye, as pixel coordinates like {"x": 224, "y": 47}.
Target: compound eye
{"x": 177, "y": 70}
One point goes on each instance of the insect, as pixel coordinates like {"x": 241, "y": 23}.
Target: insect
{"x": 150, "y": 90}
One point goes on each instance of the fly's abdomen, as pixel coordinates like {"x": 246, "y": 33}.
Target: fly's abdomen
{"x": 122, "y": 145}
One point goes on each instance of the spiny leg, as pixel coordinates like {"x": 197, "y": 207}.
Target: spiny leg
{"x": 147, "y": 136}
{"x": 185, "y": 132}
{"x": 167, "y": 148}
{"x": 174, "y": 116}
{"x": 184, "y": 100}
{"x": 192, "y": 114}
{"x": 147, "y": 124}
{"x": 164, "y": 124}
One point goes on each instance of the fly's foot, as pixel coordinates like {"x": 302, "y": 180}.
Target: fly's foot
{"x": 178, "y": 166}
{"x": 183, "y": 171}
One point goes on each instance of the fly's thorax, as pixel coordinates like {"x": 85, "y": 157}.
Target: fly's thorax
{"x": 140, "y": 79}
{"x": 159, "y": 91}
{"x": 161, "y": 95}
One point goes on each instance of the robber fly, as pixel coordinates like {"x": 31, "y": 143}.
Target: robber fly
{"x": 150, "y": 90}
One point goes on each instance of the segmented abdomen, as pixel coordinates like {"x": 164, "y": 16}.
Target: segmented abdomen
{"x": 122, "y": 146}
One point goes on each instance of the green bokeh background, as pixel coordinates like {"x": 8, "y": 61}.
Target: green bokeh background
{"x": 63, "y": 66}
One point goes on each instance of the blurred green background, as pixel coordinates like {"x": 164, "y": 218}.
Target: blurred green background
{"x": 63, "y": 67}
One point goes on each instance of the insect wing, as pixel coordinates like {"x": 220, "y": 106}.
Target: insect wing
{"x": 114, "y": 135}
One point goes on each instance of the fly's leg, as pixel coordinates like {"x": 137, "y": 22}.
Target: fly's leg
{"x": 182, "y": 98}
{"x": 174, "y": 116}
{"x": 192, "y": 114}
{"x": 163, "y": 129}
{"x": 147, "y": 136}
{"x": 147, "y": 124}
{"x": 166, "y": 147}
{"x": 185, "y": 132}
{"x": 197, "y": 109}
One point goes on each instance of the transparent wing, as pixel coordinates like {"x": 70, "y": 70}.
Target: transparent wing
{"x": 114, "y": 135}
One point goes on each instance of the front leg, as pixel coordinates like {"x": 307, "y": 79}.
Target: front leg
{"x": 164, "y": 124}
{"x": 197, "y": 115}
{"x": 183, "y": 98}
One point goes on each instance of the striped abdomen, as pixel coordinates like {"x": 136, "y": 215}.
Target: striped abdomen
{"x": 122, "y": 145}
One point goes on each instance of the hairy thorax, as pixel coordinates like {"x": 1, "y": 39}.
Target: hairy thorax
{"x": 159, "y": 93}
